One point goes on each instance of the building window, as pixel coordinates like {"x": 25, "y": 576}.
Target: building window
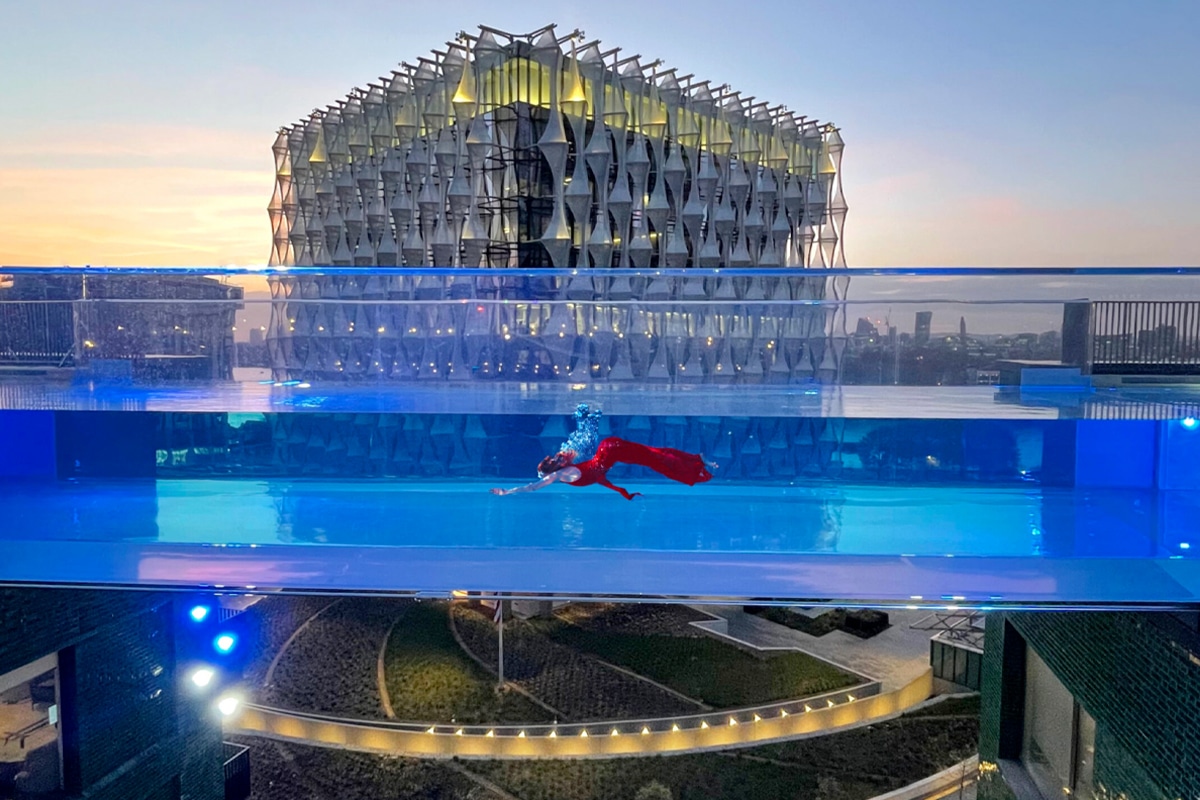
{"x": 1059, "y": 738}
{"x": 956, "y": 662}
{"x": 30, "y": 757}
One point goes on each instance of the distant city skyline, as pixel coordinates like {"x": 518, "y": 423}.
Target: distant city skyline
{"x": 1018, "y": 134}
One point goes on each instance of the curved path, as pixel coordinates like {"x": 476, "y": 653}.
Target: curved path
{"x": 746, "y": 727}
{"x": 330, "y": 665}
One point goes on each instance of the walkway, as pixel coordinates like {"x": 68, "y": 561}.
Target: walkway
{"x": 671, "y": 736}
{"x": 895, "y": 657}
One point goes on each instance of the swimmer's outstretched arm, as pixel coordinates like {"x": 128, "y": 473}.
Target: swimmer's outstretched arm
{"x": 568, "y": 475}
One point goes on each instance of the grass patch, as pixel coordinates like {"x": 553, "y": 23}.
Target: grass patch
{"x": 703, "y": 668}
{"x": 430, "y": 679}
{"x": 565, "y": 678}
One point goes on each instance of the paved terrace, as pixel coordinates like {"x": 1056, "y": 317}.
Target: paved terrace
{"x": 896, "y": 657}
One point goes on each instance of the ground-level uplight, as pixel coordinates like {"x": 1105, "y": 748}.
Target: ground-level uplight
{"x": 202, "y": 676}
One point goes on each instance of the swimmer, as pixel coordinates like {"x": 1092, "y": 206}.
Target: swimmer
{"x": 584, "y": 460}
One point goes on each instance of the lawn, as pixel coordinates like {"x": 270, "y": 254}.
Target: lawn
{"x": 430, "y": 679}
{"x": 708, "y": 670}
{"x": 576, "y": 684}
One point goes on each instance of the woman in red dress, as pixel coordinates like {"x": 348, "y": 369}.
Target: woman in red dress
{"x": 583, "y": 460}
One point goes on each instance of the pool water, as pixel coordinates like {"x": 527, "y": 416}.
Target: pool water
{"x": 990, "y": 507}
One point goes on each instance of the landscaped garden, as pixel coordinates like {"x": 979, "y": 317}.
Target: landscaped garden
{"x": 577, "y": 686}
{"x": 853, "y": 765}
{"x": 718, "y": 674}
{"x": 330, "y": 666}
{"x": 586, "y": 662}
{"x": 430, "y": 679}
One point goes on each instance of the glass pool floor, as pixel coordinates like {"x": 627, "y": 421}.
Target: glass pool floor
{"x": 947, "y": 544}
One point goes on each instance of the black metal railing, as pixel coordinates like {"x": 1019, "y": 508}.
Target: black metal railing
{"x": 237, "y": 771}
{"x": 1135, "y": 337}
{"x": 40, "y": 332}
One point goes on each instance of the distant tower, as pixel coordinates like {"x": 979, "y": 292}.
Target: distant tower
{"x": 921, "y": 332}
{"x": 962, "y": 331}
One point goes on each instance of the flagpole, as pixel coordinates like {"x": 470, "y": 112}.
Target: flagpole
{"x": 500, "y": 613}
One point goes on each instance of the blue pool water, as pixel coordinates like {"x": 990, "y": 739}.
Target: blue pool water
{"x": 980, "y": 544}
{"x": 908, "y": 494}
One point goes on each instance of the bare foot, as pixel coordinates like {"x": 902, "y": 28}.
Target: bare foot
{"x": 500, "y": 491}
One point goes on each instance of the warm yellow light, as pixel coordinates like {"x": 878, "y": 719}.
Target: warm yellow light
{"x": 849, "y": 698}
{"x": 458, "y": 593}
{"x": 583, "y": 734}
{"x": 645, "y": 731}
{"x": 830, "y": 703}
{"x": 553, "y": 734}
{"x": 521, "y": 735}
{"x": 807, "y": 707}
{"x": 490, "y": 734}
{"x": 732, "y": 722}
{"x": 757, "y": 718}
{"x": 458, "y": 732}
{"x": 675, "y": 728}
{"x": 614, "y": 732}
{"x": 430, "y": 730}
{"x": 703, "y": 725}
{"x": 783, "y": 712}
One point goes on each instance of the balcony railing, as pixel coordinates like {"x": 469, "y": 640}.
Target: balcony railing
{"x": 237, "y": 771}
{"x": 881, "y": 327}
{"x": 1136, "y": 337}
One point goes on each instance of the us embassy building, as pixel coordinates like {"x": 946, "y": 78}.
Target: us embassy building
{"x": 548, "y": 151}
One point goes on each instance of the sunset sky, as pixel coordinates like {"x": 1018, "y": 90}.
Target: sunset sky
{"x": 1015, "y": 133}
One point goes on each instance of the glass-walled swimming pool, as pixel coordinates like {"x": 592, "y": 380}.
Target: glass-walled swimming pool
{"x": 1032, "y": 440}
{"x": 913, "y": 542}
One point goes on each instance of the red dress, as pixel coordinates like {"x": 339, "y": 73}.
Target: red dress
{"x": 675, "y": 464}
